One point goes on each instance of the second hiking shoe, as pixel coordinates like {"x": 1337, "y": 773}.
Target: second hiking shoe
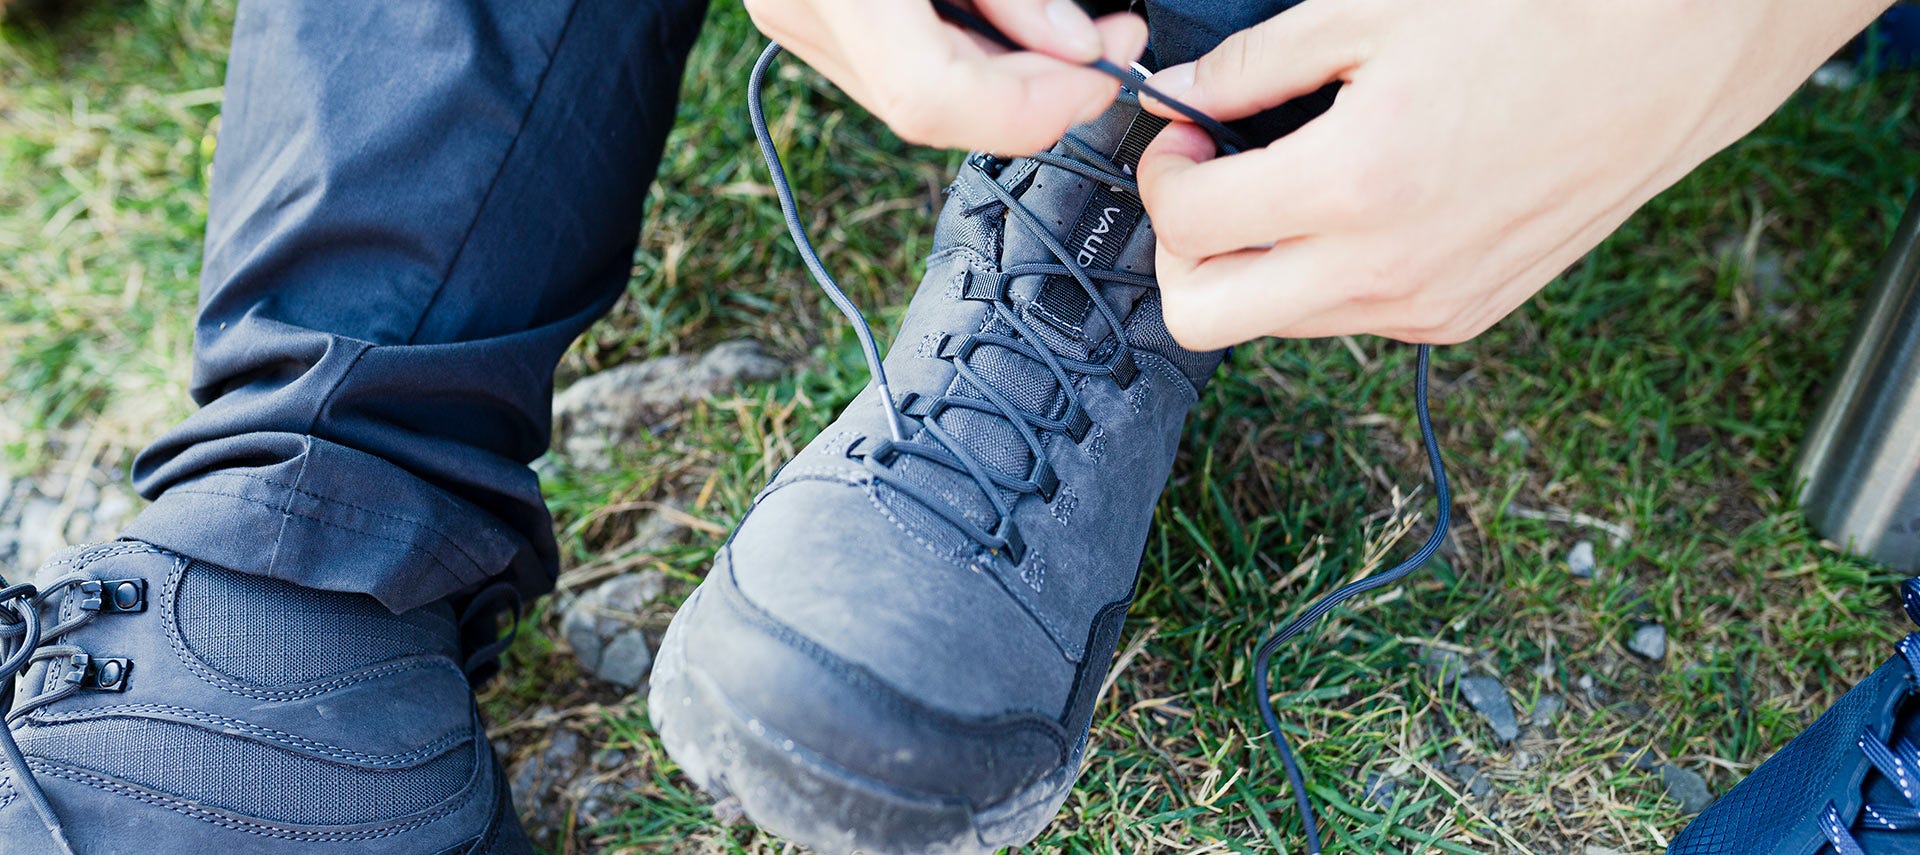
{"x": 900, "y": 648}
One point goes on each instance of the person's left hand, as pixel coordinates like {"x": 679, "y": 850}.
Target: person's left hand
{"x": 1477, "y": 149}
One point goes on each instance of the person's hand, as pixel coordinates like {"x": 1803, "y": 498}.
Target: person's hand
{"x": 937, "y": 84}
{"x": 1477, "y": 149}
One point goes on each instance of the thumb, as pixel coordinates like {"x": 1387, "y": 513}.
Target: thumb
{"x": 1057, "y": 28}
{"x": 1287, "y": 56}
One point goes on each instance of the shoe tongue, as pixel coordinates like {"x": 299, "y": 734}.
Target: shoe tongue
{"x": 1095, "y": 222}
{"x": 1103, "y": 222}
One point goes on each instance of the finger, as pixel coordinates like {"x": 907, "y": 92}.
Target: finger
{"x": 1203, "y": 206}
{"x": 1009, "y": 103}
{"x": 1057, "y": 28}
{"x": 1240, "y": 296}
{"x": 1289, "y": 55}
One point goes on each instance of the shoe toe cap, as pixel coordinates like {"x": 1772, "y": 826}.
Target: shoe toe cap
{"x": 738, "y": 672}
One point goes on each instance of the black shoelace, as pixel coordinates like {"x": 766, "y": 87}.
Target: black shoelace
{"x": 26, "y": 641}
{"x": 941, "y": 449}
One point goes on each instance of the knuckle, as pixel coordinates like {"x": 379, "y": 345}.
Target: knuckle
{"x": 912, "y": 117}
{"x": 1177, "y": 237}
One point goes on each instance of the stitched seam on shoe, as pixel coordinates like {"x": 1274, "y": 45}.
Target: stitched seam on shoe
{"x": 861, "y": 676}
{"x": 956, "y": 555}
{"x": 195, "y": 811}
{"x": 430, "y": 750}
{"x": 1166, "y": 368}
{"x": 85, "y": 556}
{"x": 170, "y": 605}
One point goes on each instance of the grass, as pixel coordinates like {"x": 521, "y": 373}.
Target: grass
{"x": 1659, "y": 390}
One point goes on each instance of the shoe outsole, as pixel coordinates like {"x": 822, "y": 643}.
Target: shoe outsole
{"x": 788, "y": 790}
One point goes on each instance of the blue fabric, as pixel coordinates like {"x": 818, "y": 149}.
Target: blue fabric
{"x": 1184, "y": 30}
{"x": 415, "y": 208}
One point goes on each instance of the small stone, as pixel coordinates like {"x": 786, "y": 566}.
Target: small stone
{"x": 597, "y": 414}
{"x": 1547, "y": 710}
{"x": 39, "y": 536}
{"x": 1837, "y": 74}
{"x": 626, "y": 660}
{"x": 609, "y": 758}
{"x": 603, "y": 627}
{"x": 1444, "y": 666}
{"x": 659, "y": 530}
{"x": 1382, "y": 789}
{"x": 1650, "y": 641}
{"x": 729, "y": 812}
{"x": 1469, "y": 775}
{"x": 1489, "y": 698}
{"x": 1515, "y": 437}
{"x": 1599, "y": 850}
{"x": 1580, "y": 560}
{"x": 1686, "y": 787}
{"x": 1641, "y": 759}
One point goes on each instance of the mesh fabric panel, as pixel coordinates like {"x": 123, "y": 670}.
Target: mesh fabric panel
{"x": 272, "y": 633}
{"x": 248, "y": 777}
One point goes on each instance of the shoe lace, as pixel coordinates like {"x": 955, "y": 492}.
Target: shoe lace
{"x": 941, "y": 448}
{"x": 25, "y": 641}
{"x": 933, "y": 443}
{"x": 1896, "y": 758}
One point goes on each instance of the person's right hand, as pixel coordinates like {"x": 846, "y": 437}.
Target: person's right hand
{"x": 937, "y": 84}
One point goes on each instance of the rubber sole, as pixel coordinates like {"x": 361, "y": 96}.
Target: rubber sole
{"x": 799, "y": 795}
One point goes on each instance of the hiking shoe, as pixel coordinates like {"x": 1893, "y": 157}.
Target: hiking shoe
{"x": 900, "y": 648}
{"x": 1848, "y": 784}
{"x": 164, "y": 705}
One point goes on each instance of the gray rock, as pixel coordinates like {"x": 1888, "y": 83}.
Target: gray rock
{"x": 1580, "y": 560}
{"x": 1515, "y": 437}
{"x": 659, "y": 530}
{"x": 1837, "y": 74}
{"x": 1686, "y": 787}
{"x": 1381, "y": 790}
{"x": 1650, "y": 641}
{"x": 1489, "y": 698}
{"x": 40, "y": 532}
{"x": 1476, "y": 782}
{"x": 1444, "y": 666}
{"x": 541, "y": 782}
{"x": 599, "y": 412}
{"x": 603, "y": 627}
{"x": 1599, "y": 850}
{"x": 1547, "y": 710}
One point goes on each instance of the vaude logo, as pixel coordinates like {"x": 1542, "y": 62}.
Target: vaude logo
{"x": 1090, "y": 248}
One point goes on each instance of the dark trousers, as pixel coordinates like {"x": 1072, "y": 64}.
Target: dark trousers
{"x": 416, "y": 207}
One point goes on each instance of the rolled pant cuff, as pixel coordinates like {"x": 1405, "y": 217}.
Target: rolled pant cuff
{"x": 343, "y": 520}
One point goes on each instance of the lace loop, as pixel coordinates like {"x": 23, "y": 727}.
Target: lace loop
{"x": 23, "y": 638}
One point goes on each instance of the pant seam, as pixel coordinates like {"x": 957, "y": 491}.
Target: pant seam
{"x": 295, "y": 488}
{"x": 526, "y": 115}
{"x": 288, "y": 513}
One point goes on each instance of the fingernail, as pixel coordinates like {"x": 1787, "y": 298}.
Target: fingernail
{"x": 1174, "y": 80}
{"x": 1075, "y": 29}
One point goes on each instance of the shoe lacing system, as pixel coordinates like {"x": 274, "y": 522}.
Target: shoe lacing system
{"x": 934, "y": 444}
{"x": 941, "y": 448}
{"x": 1896, "y": 758}
{"x": 27, "y": 640}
